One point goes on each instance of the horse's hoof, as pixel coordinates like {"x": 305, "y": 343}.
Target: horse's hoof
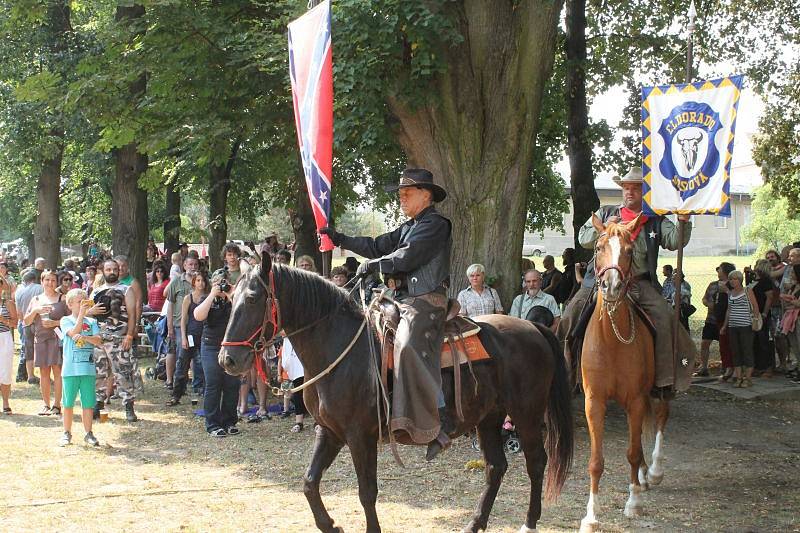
{"x": 526, "y": 529}
{"x": 337, "y": 529}
{"x": 589, "y": 526}
{"x": 472, "y": 527}
{"x": 654, "y": 479}
{"x": 632, "y": 511}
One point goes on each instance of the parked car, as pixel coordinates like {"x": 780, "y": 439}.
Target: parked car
{"x": 536, "y": 250}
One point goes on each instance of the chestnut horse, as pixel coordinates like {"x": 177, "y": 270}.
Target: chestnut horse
{"x": 526, "y": 377}
{"x": 617, "y": 362}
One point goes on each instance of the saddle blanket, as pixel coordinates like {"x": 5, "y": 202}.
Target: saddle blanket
{"x": 472, "y": 349}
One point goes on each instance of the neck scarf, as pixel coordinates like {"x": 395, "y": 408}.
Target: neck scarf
{"x": 627, "y": 215}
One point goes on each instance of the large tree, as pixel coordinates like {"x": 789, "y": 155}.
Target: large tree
{"x": 463, "y": 85}
{"x": 129, "y": 200}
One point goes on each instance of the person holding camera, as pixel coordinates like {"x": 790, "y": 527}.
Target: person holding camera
{"x": 222, "y": 389}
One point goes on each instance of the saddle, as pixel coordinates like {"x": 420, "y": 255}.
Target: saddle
{"x": 460, "y": 341}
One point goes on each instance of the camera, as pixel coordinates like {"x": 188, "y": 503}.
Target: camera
{"x": 224, "y": 284}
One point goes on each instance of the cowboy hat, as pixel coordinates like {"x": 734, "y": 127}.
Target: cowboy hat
{"x": 419, "y": 177}
{"x": 634, "y": 175}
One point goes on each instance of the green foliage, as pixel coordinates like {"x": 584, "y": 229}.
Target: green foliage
{"x": 772, "y": 225}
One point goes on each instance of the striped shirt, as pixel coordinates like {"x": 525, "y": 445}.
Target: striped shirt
{"x": 739, "y": 309}
{"x": 6, "y": 315}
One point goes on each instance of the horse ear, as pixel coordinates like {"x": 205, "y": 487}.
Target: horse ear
{"x": 266, "y": 261}
{"x": 636, "y": 222}
{"x": 598, "y": 224}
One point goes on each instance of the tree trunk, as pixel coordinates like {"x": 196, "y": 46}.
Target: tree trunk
{"x": 304, "y": 226}
{"x": 477, "y": 130}
{"x": 128, "y": 201}
{"x": 172, "y": 219}
{"x": 584, "y": 195}
{"x": 47, "y": 235}
{"x": 220, "y": 186}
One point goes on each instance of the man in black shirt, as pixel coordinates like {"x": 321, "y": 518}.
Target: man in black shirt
{"x": 415, "y": 261}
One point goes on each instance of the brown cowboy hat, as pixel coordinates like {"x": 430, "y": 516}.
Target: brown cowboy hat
{"x": 634, "y": 175}
{"x": 419, "y": 177}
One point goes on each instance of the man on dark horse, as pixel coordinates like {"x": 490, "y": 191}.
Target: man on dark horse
{"x": 657, "y": 231}
{"x": 415, "y": 261}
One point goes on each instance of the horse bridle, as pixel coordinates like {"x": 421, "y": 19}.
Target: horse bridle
{"x": 272, "y": 315}
{"x": 599, "y": 273}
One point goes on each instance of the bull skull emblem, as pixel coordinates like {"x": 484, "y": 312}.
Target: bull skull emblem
{"x": 689, "y": 145}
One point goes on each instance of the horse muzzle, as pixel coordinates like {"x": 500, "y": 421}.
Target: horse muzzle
{"x": 235, "y": 360}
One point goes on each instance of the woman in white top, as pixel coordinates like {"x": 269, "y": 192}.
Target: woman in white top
{"x": 742, "y": 305}
{"x": 290, "y": 363}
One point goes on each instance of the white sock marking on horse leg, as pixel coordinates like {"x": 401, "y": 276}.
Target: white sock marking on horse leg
{"x": 643, "y": 477}
{"x": 656, "y": 472}
{"x": 526, "y": 529}
{"x": 589, "y": 522}
{"x": 633, "y": 507}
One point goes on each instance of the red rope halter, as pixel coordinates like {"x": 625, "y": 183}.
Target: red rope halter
{"x": 272, "y": 315}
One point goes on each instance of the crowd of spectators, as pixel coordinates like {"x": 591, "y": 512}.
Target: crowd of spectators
{"x": 62, "y": 320}
{"x": 74, "y": 328}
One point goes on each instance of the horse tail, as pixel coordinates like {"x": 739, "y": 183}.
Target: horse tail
{"x": 560, "y": 438}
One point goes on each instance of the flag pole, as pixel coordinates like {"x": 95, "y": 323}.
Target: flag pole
{"x": 326, "y": 256}
{"x": 692, "y": 14}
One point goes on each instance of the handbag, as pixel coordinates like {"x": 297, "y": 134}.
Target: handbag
{"x": 757, "y": 319}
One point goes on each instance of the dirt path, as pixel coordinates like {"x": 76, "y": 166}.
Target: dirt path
{"x": 731, "y": 466}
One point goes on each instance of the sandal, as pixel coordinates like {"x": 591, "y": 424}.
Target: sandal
{"x": 297, "y": 428}
{"x": 55, "y": 410}
{"x": 6, "y": 410}
{"x": 44, "y": 411}
{"x": 254, "y": 419}
{"x": 218, "y": 433}
{"x": 233, "y": 430}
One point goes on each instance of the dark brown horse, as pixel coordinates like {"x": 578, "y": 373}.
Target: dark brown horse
{"x": 526, "y": 378}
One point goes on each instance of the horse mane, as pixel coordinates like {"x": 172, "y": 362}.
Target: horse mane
{"x": 306, "y": 296}
{"x": 615, "y": 229}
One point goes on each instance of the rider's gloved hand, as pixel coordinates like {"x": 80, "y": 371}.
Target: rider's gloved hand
{"x": 368, "y": 267}
{"x": 335, "y": 236}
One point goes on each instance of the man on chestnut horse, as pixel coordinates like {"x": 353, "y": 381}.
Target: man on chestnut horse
{"x": 657, "y": 231}
{"x": 415, "y": 262}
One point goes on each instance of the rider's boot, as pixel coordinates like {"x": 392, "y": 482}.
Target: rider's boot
{"x": 442, "y": 441}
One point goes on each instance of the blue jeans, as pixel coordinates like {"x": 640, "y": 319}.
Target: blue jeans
{"x": 182, "y": 360}
{"x": 222, "y": 391}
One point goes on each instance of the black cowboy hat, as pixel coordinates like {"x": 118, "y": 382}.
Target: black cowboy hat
{"x": 419, "y": 177}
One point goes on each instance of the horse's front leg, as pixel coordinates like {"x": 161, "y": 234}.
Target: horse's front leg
{"x": 364, "y": 451}
{"x": 636, "y": 412}
{"x": 326, "y": 448}
{"x": 656, "y": 471}
{"x": 595, "y": 417}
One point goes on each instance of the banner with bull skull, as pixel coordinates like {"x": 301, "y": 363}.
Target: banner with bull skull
{"x": 687, "y": 146}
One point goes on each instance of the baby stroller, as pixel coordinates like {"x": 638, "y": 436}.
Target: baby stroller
{"x": 510, "y": 439}
{"x": 155, "y": 327}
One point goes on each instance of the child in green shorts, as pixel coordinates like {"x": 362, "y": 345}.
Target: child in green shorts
{"x": 78, "y": 370}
